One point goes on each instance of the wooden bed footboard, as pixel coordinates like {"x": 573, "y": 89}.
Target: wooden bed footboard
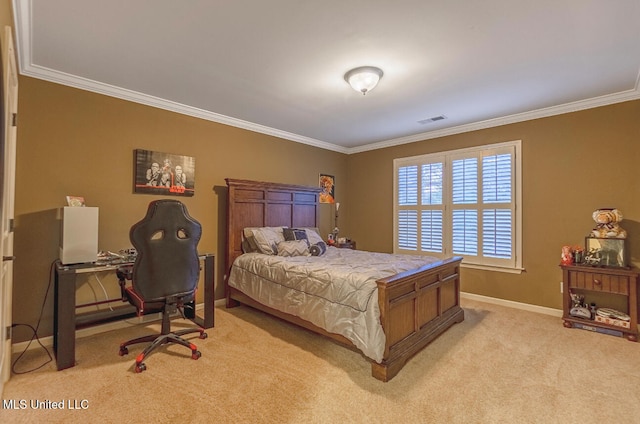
{"x": 416, "y": 307}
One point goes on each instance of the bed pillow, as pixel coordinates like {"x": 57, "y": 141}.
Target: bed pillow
{"x": 294, "y": 234}
{"x": 318, "y": 249}
{"x": 266, "y": 239}
{"x": 313, "y": 236}
{"x": 293, "y": 248}
{"x": 248, "y": 242}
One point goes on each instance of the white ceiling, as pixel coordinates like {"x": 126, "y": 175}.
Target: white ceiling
{"x": 277, "y": 67}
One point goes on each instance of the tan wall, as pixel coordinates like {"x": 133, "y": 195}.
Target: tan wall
{"x": 6, "y": 11}
{"x": 73, "y": 142}
{"x": 572, "y": 164}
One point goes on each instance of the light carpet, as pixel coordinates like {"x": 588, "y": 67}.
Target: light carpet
{"x": 500, "y": 365}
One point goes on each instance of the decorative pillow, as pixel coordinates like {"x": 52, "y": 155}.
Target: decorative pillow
{"x": 313, "y": 236}
{"x": 293, "y": 248}
{"x": 318, "y": 249}
{"x": 267, "y": 239}
{"x": 248, "y": 242}
{"x": 294, "y": 234}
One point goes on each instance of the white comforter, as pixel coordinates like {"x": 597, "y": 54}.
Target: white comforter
{"x": 336, "y": 291}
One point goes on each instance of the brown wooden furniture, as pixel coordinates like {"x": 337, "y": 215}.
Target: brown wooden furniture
{"x": 347, "y": 245}
{"x": 615, "y": 281}
{"x": 415, "y": 306}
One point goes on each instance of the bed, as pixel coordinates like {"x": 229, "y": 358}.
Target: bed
{"x": 412, "y": 300}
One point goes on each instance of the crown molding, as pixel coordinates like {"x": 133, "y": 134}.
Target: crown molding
{"x": 605, "y": 100}
{"x": 129, "y": 95}
{"x": 22, "y": 18}
{"x": 157, "y": 102}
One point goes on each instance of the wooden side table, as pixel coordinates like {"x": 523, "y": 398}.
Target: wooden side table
{"x": 349, "y": 244}
{"x": 609, "y": 280}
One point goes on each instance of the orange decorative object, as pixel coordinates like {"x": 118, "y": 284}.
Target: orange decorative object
{"x": 567, "y": 256}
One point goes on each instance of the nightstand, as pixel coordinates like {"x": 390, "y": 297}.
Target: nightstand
{"x": 349, "y": 244}
{"x": 621, "y": 282}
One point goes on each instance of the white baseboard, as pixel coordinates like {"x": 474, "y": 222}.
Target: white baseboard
{"x": 117, "y": 325}
{"x": 102, "y": 328}
{"x": 511, "y": 304}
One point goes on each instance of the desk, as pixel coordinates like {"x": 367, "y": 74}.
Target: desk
{"x": 64, "y": 314}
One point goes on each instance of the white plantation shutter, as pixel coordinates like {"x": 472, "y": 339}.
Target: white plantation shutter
{"x": 461, "y": 203}
{"x": 496, "y": 178}
{"x": 431, "y": 189}
{"x": 419, "y": 212}
{"x": 431, "y": 230}
{"x": 408, "y": 185}
{"x": 496, "y": 235}
{"x": 465, "y": 181}
{"x": 497, "y": 174}
{"x": 407, "y": 220}
{"x": 408, "y": 230}
{"x": 465, "y": 232}
{"x": 432, "y": 184}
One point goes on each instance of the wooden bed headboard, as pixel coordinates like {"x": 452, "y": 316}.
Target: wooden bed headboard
{"x": 263, "y": 204}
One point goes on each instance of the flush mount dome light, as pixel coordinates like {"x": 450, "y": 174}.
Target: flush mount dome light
{"x": 364, "y": 78}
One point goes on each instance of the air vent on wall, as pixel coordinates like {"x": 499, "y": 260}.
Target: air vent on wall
{"x": 432, "y": 119}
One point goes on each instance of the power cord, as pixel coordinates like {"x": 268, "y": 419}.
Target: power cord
{"x": 104, "y": 291}
{"x": 35, "y": 332}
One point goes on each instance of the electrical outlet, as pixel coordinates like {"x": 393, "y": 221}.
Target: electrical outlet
{"x": 561, "y": 287}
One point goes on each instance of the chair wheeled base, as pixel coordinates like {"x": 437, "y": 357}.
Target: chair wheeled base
{"x": 166, "y": 336}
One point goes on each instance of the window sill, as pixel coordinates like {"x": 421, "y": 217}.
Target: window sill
{"x": 493, "y": 268}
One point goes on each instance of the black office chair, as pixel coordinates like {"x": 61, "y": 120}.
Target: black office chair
{"x": 165, "y": 274}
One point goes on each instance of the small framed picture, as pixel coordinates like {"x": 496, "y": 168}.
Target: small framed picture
{"x": 75, "y": 201}
{"x": 328, "y": 185}
{"x": 605, "y": 252}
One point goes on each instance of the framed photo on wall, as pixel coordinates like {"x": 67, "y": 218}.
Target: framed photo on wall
{"x": 164, "y": 173}
{"x": 328, "y": 185}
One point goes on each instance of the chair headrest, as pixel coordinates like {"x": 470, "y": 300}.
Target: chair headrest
{"x": 166, "y": 239}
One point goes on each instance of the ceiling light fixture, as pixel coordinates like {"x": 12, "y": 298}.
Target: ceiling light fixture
{"x": 364, "y": 78}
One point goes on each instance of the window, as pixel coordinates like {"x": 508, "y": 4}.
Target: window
{"x": 462, "y": 203}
